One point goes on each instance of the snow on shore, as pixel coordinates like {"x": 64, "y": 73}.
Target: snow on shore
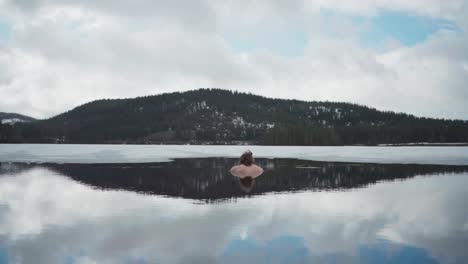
{"x": 61, "y": 153}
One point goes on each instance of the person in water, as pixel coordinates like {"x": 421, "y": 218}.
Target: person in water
{"x": 247, "y": 171}
{"x": 246, "y": 167}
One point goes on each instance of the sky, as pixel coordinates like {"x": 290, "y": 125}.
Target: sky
{"x": 398, "y": 55}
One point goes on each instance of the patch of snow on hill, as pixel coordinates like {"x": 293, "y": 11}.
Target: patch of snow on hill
{"x": 12, "y": 121}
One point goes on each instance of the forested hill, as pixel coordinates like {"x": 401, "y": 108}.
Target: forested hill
{"x": 215, "y": 116}
{"x": 11, "y": 118}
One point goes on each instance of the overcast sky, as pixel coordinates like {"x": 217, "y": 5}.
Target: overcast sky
{"x": 400, "y": 55}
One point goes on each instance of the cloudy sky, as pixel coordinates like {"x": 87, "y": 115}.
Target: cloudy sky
{"x": 405, "y": 56}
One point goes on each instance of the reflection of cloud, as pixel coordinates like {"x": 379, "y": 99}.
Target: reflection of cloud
{"x": 45, "y": 218}
{"x": 64, "y": 215}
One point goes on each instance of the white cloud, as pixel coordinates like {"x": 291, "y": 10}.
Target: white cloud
{"x": 64, "y": 53}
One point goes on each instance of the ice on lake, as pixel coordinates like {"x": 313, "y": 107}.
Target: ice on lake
{"x": 156, "y": 153}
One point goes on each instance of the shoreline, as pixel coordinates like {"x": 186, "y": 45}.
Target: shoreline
{"x": 424, "y": 144}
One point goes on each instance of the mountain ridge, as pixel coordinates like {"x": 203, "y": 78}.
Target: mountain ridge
{"x": 260, "y": 96}
{"x": 216, "y": 116}
{"x": 9, "y": 118}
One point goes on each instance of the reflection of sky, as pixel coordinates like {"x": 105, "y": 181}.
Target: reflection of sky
{"x": 381, "y": 253}
{"x": 284, "y": 249}
{"x": 48, "y": 218}
{"x": 3, "y": 255}
{"x": 292, "y": 249}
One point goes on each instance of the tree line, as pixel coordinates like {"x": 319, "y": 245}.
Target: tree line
{"x": 215, "y": 116}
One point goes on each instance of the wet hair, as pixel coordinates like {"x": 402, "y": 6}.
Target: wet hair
{"x": 246, "y": 158}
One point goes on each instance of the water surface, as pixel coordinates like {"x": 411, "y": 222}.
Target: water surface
{"x": 191, "y": 210}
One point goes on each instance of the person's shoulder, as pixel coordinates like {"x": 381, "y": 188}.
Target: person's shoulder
{"x": 257, "y": 167}
{"x": 236, "y": 168}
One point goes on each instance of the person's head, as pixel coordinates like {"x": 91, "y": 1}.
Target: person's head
{"x": 246, "y": 158}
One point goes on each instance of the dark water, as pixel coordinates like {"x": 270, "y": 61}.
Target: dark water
{"x": 194, "y": 211}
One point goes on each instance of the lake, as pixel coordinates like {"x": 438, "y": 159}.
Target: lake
{"x": 179, "y": 204}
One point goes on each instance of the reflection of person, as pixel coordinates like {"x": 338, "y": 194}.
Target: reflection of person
{"x": 247, "y": 183}
{"x": 247, "y": 171}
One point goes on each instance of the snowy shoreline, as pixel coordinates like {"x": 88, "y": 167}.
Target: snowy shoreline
{"x": 54, "y": 153}
{"x": 426, "y": 144}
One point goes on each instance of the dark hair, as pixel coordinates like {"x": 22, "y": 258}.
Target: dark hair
{"x": 246, "y": 158}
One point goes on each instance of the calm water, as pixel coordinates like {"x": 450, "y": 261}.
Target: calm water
{"x": 191, "y": 210}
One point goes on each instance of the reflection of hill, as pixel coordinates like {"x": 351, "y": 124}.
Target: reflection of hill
{"x": 209, "y": 179}
{"x": 13, "y": 167}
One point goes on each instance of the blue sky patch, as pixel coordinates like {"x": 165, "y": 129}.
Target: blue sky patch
{"x": 375, "y": 32}
{"x": 5, "y": 31}
{"x": 407, "y": 28}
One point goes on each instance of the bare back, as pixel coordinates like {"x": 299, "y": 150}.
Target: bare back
{"x": 246, "y": 171}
